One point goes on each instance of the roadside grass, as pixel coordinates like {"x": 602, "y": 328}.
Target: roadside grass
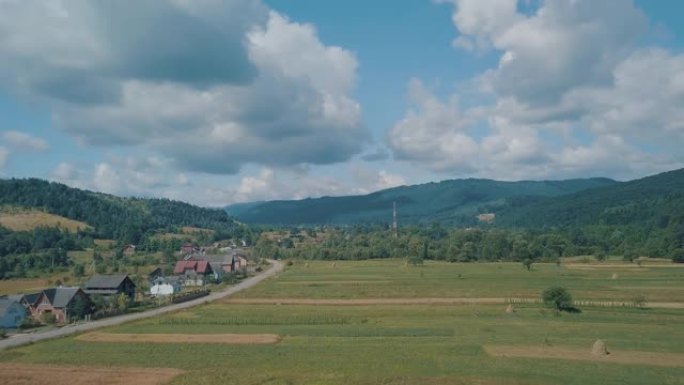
{"x": 396, "y": 344}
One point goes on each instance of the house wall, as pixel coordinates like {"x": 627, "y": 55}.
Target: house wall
{"x": 14, "y": 316}
{"x": 163, "y": 289}
{"x": 195, "y": 281}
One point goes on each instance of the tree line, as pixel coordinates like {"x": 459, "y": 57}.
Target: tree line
{"x": 472, "y": 244}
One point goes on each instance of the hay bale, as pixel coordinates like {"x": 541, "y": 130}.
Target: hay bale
{"x": 509, "y": 309}
{"x": 614, "y": 276}
{"x": 599, "y": 349}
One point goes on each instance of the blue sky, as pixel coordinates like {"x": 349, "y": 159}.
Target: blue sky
{"x": 217, "y": 102}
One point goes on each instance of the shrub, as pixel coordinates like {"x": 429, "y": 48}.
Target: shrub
{"x": 49, "y": 318}
{"x": 678, "y": 256}
{"x": 639, "y": 301}
{"x": 558, "y": 298}
{"x": 3, "y": 333}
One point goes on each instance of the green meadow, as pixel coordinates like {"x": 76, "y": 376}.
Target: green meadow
{"x": 408, "y": 344}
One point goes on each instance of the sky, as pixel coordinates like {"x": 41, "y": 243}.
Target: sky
{"x": 218, "y": 102}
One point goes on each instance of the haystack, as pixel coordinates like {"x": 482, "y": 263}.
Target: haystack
{"x": 509, "y": 309}
{"x": 615, "y": 276}
{"x": 599, "y": 349}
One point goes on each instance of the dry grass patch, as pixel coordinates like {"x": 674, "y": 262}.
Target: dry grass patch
{"x": 34, "y": 374}
{"x": 29, "y": 220}
{"x": 231, "y": 339}
{"x": 196, "y": 230}
{"x": 11, "y": 286}
{"x": 580, "y": 354}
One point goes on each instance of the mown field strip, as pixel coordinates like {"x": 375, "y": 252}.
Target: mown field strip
{"x": 430, "y": 301}
{"x": 230, "y": 339}
{"x": 23, "y": 374}
{"x": 573, "y": 353}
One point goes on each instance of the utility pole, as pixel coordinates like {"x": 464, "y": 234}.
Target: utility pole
{"x": 394, "y": 219}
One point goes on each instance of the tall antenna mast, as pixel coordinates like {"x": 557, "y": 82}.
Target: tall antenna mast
{"x": 394, "y": 218}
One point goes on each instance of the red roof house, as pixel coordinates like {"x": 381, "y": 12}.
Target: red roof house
{"x": 194, "y": 271}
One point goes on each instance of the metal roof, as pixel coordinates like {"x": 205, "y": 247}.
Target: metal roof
{"x": 105, "y": 281}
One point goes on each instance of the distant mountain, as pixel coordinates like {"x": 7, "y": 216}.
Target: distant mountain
{"x": 455, "y": 202}
{"x": 123, "y": 219}
{"x": 653, "y": 202}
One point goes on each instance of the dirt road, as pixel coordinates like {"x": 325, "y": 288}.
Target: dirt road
{"x": 23, "y": 339}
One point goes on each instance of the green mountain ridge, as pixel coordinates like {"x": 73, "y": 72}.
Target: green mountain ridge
{"x": 454, "y": 202}
{"x": 653, "y": 201}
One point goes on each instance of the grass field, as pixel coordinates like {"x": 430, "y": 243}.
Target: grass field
{"x": 405, "y": 344}
{"x": 29, "y": 220}
{"x": 28, "y": 285}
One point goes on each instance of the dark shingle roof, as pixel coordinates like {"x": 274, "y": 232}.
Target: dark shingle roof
{"x": 61, "y": 296}
{"x": 32, "y": 298}
{"x": 105, "y": 281}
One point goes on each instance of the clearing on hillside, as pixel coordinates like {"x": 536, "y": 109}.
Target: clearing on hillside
{"x": 24, "y": 374}
{"x": 29, "y": 220}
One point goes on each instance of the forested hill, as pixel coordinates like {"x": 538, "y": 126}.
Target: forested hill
{"x": 123, "y": 219}
{"x": 649, "y": 203}
{"x": 455, "y": 202}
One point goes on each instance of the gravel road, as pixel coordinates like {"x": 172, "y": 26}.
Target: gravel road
{"x": 23, "y": 339}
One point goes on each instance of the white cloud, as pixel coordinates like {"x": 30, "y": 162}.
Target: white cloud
{"x": 231, "y": 83}
{"x": 433, "y": 132}
{"x": 573, "y": 95}
{"x": 24, "y": 141}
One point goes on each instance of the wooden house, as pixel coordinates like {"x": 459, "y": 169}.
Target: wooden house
{"x": 110, "y": 285}
{"x": 58, "y": 302}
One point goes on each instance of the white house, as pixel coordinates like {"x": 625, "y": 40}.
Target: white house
{"x": 165, "y": 286}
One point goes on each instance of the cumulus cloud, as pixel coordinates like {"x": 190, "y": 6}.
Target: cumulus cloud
{"x": 231, "y": 83}
{"x": 573, "y": 94}
{"x": 433, "y": 132}
{"x": 23, "y": 141}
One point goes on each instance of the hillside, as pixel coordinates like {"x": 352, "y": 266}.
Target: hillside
{"x": 123, "y": 219}
{"x": 652, "y": 202}
{"x": 451, "y": 202}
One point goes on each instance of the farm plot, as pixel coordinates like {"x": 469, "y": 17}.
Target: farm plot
{"x": 25, "y": 374}
{"x": 385, "y": 336}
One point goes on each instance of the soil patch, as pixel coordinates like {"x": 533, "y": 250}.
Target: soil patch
{"x": 233, "y": 339}
{"x": 36, "y": 374}
{"x": 580, "y": 354}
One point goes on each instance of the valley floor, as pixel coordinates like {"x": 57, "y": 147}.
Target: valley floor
{"x": 400, "y": 342}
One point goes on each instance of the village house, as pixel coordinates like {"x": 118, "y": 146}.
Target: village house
{"x": 154, "y": 274}
{"x": 237, "y": 262}
{"x": 193, "y": 272}
{"x": 189, "y": 248}
{"x": 58, "y": 302}
{"x": 12, "y": 312}
{"x": 129, "y": 250}
{"x": 110, "y": 285}
{"x": 162, "y": 286}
